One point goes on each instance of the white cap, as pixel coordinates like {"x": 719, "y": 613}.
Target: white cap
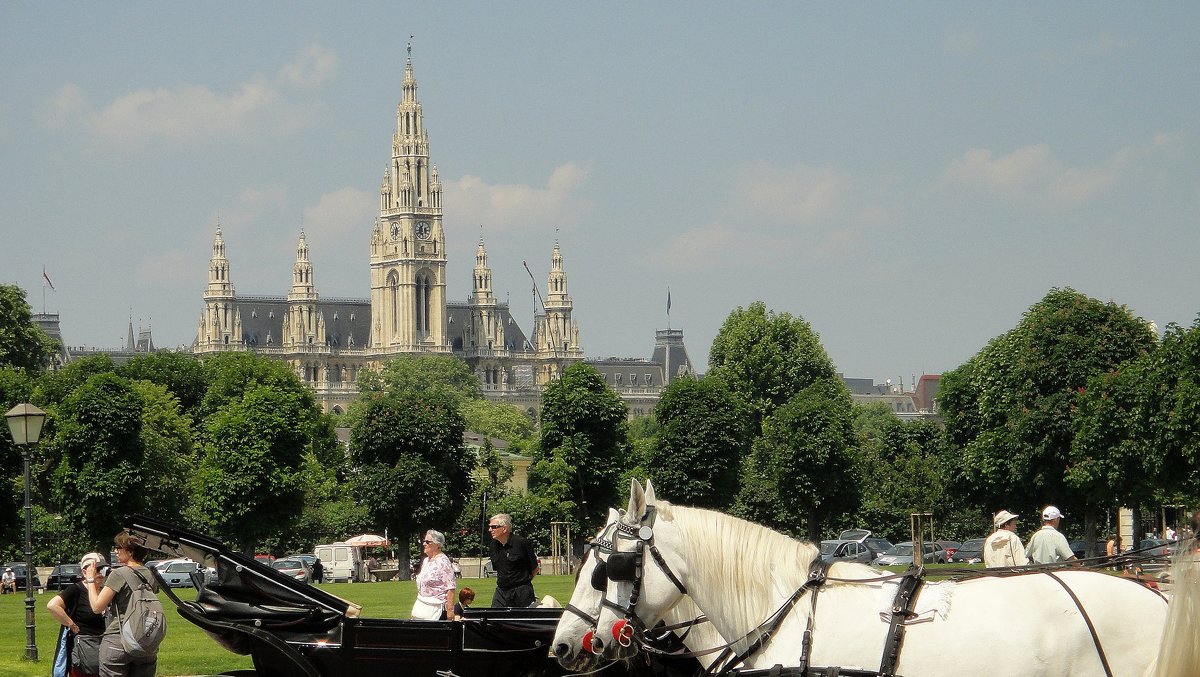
{"x": 1003, "y": 517}
{"x": 1051, "y": 513}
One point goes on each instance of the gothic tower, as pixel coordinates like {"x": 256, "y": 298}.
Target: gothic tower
{"x": 408, "y": 245}
{"x": 304, "y": 324}
{"x": 556, "y": 334}
{"x": 221, "y": 323}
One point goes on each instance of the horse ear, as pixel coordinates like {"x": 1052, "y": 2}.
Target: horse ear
{"x": 637, "y": 501}
{"x": 649, "y": 492}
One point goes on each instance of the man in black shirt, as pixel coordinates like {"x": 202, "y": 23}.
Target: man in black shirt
{"x": 514, "y": 563}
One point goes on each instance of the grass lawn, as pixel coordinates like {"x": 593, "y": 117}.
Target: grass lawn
{"x": 188, "y": 651}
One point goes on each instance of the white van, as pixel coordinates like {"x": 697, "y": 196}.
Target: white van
{"x": 340, "y": 562}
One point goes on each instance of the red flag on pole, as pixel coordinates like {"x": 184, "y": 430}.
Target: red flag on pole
{"x": 47, "y": 278}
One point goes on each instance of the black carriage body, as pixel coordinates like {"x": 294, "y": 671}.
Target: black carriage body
{"x": 293, "y": 629}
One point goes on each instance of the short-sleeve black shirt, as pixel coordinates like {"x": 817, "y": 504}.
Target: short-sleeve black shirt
{"x": 513, "y": 562}
{"x": 75, "y": 601}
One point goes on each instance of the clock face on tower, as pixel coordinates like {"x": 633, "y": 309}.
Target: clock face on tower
{"x": 395, "y": 231}
{"x": 423, "y": 230}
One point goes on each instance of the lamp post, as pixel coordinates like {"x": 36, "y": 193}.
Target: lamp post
{"x": 25, "y": 422}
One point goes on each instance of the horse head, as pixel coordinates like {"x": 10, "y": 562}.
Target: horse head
{"x": 642, "y": 586}
{"x": 573, "y": 638}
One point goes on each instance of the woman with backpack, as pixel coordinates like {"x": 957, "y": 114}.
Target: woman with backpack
{"x": 124, "y": 587}
{"x": 83, "y": 626}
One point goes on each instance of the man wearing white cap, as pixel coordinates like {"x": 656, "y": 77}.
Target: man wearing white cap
{"x": 1048, "y": 545}
{"x": 1003, "y": 548}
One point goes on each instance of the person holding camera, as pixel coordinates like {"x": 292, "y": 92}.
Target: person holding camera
{"x": 117, "y": 590}
{"x": 85, "y": 627}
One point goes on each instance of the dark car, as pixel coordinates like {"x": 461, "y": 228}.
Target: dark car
{"x": 292, "y": 629}
{"x": 19, "y": 569}
{"x": 969, "y": 552}
{"x": 950, "y": 547}
{"x": 877, "y": 545}
{"x": 1079, "y": 548}
{"x": 62, "y": 576}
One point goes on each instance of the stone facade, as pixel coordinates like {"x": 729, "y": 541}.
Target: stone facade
{"x": 330, "y": 341}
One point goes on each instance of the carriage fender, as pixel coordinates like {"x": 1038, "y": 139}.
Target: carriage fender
{"x": 244, "y": 639}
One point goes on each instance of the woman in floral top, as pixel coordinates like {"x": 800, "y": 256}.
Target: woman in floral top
{"x": 436, "y": 579}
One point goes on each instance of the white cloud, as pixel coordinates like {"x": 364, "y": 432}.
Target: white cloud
{"x": 348, "y": 212}
{"x": 1035, "y": 174}
{"x": 798, "y": 194}
{"x": 164, "y": 268}
{"x": 193, "y": 111}
{"x": 315, "y": 65}
{"x": 505, "y": 207}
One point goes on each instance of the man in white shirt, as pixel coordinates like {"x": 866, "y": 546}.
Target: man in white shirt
{"x": 1048, "y": 545}
{"x": 8, "y": 582}
{"x": 1003, "y": 548}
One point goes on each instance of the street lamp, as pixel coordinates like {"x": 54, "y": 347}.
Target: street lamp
{"x": 25, "y": 422}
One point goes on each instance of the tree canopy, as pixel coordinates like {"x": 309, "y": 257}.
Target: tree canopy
{"x": 767, "y": 358}
{"x": 703, "y": 436}
{"x": 1013, "y": 407}
{"x": 23, "y": 344}
{"x": 584, "y": 445}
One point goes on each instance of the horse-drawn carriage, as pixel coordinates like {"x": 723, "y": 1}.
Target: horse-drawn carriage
{"x": 291, "y": 629}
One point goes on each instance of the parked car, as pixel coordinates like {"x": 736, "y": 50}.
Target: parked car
{"x": 876, "y": 544}
{"x": 306, "y": 557}
{"x": 969, "y": 551}
{"x": 177, "y": 573}
{"x": 488, "y": 571}
{"x": 19, "y": 569}
{"x": 902, "y": 553}
{"x": 294, "y": 567}
{"x": 1078, "y": 548}
{"x": 1148, "y": 547}
{"x": 950, "y": 547}
{"x": 265, "y": 559}
{"x": 846, "y": 551}
{"x": 62, "y": 576}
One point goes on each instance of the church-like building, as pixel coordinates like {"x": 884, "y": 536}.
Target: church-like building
{"x": 329, "y": 341}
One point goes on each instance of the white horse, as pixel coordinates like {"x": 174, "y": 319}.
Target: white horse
{"x": 741, "y": 573}
{"x": 573, "y": 643}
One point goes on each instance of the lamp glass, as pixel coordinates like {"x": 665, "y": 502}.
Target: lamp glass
{"x": 25, "y": 423}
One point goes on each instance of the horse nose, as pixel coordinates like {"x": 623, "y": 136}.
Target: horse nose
{"x": 597, "y": 645}
{"x": 561, "y": 649}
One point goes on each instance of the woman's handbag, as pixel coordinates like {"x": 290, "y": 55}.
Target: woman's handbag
{"x": 85, "y": 656}
{"x": 428, "y": 608}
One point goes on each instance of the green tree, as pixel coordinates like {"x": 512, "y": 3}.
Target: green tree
{"x": 904, "y": 469}
{"x": 180, "y": 373}
{"x": 16, "y": 386}
{"x": 233, "y": 374}
{"x": 410, "y": 469}
{"x": 170, "y": 452}
{"x": 801, "y": 472}
{"x": 250, "y": 483}
{"x": 702, "y": 441}
{"x": 100, "y": 456}
{"x": 22, "y": 343}
{"x": 767, "y": 358}
{"x": 496, "y": 419}
{"x": 584, "y": 428}
{"x": 423, "y": 373}
{"x": 1013, "y": 410}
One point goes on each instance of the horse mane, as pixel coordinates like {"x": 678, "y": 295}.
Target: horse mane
{"x": 755, "y": 579}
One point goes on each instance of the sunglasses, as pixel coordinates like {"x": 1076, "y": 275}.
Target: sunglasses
{"x": 427, "y": 542}
{"x": 495, "y": 526}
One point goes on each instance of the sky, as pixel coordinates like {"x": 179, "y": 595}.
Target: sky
{"x": 909, "y": 178}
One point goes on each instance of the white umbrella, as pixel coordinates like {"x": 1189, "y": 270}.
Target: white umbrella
{"x": 368, "y": 541}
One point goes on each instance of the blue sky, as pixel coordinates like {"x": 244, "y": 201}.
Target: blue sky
{"x": 908, "y": 178}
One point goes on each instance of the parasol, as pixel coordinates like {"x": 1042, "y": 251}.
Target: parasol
{"x": 368, "y": 541}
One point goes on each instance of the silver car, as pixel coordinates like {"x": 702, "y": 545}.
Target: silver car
{"x": 845, "y": 551}
{"x": 902, "y": 553}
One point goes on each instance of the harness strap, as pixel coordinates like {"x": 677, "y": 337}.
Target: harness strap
{"x": 581, "y": 613}
{"x": 1086, "y": 619}
{"x": 766, "y": 630}
{"x": 906, "y": 595}
{"x": 662, "y": 564}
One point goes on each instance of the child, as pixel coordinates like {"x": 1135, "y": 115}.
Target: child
{"x": 465, "y": 597}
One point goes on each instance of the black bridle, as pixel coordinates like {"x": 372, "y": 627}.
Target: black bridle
{"x": 630, "y": 567}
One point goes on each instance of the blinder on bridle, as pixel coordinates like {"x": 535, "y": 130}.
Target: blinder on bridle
{"x": 600, "y": 575}
{"x": 621, "y": 566}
